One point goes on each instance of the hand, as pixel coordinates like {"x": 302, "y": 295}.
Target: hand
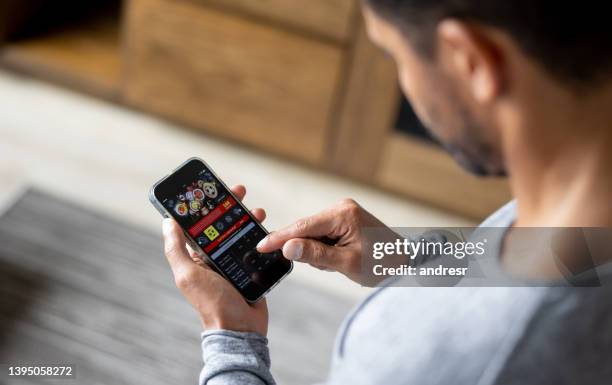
{"x": 342, "y": 223}
{"x": 218, "y": 303}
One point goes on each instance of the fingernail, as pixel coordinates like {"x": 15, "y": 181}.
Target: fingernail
{"x": 262, "y": 243}
{"x": 293, "y": 250}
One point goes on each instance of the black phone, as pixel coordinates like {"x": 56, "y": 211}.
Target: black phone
{"x": 217, "y": 223}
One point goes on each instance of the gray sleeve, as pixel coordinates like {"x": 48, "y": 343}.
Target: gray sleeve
{"x": 235, "y": 358}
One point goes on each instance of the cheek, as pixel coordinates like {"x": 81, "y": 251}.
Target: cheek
{"x": 418, "y": 93}
{"x": 429, "y": 93}
{"x": 431, "y": 100}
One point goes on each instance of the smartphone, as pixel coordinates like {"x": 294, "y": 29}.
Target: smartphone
{"x": 217, "y": 223}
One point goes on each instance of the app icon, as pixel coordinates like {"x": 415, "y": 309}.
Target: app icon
{"x": 198, "y": 194}
{"x": 181, "y": 209}
{"x": 211, "y": 232}
{"x": 210, "y": 190}
{"x": 195, "y": 206}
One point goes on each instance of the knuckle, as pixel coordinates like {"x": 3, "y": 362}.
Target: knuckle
{"x": 347, "y": 202}
{"x": 301, "y": 225}
{"x": 318, "y": 254}
{"x": 350, "y": 207}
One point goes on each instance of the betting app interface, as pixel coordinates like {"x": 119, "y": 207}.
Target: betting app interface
{"x": 222, "y": 228}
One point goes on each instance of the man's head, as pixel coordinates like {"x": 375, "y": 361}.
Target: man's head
{"x": 471, "y": 66}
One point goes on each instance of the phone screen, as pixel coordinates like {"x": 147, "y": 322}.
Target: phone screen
{"x": 222, "y": 227}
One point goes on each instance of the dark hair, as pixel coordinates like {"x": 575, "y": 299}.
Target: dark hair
{"x": 571, "y": 39}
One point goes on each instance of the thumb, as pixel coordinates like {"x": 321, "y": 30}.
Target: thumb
{"x": 312, "y": 252}
{"x": 174, "y": 246}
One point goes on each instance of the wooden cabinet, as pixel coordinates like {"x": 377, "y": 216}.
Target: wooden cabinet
{"x": 297, "y": 78}
{"x": 72, "y": 42}
{"x": 234, "y": 77}
{"x": 332, "y": 19}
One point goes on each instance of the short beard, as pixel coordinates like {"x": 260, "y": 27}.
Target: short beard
{"x": 473, "y": 164}
{"x": 472, "y": 152}
{"x": 469, "y": 149}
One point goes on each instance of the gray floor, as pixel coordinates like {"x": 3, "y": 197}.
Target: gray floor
{"x": 78, "y": 287}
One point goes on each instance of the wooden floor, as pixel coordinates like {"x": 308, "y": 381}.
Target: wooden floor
{"x": 78, "y": 287}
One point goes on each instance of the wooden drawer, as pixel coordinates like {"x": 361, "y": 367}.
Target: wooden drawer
{"x": 425, "y": 172}
{"x": 330, "y": 18}
{"x": 231, "y": 76}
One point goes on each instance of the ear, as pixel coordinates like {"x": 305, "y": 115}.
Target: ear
{"x": 473, "y": 57}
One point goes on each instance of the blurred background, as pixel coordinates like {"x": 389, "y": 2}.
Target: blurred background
{"x": 99, "y": 99}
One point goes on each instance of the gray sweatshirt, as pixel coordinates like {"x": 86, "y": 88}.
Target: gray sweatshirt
{"x": 456, "y": 335}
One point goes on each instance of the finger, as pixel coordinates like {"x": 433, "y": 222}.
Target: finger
{"x": 239, "y": 191}
{"x": 193, "y": 253}
{"x": 174, "y": 246}
{"x": 313, "y": 252}
{"x": 318, "y": 225}
{"x": 199, "y": 258}
{"x": 259, "y": 214}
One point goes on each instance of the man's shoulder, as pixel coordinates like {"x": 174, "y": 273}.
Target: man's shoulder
{"x": 503, "y": 217}
{"x": 399, "y": 330}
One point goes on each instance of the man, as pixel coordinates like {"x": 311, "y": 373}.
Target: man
{"x": 520, "y": 87}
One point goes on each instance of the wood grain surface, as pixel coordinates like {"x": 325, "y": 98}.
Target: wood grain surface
{"x": 85, "y": 56}
{"x": 367, "y": 112}
{"x": 77, "y": 287}
{"x": 426, "y": 172}
{"x": 327, "y": 18}
{"x": 232, "y": 76}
